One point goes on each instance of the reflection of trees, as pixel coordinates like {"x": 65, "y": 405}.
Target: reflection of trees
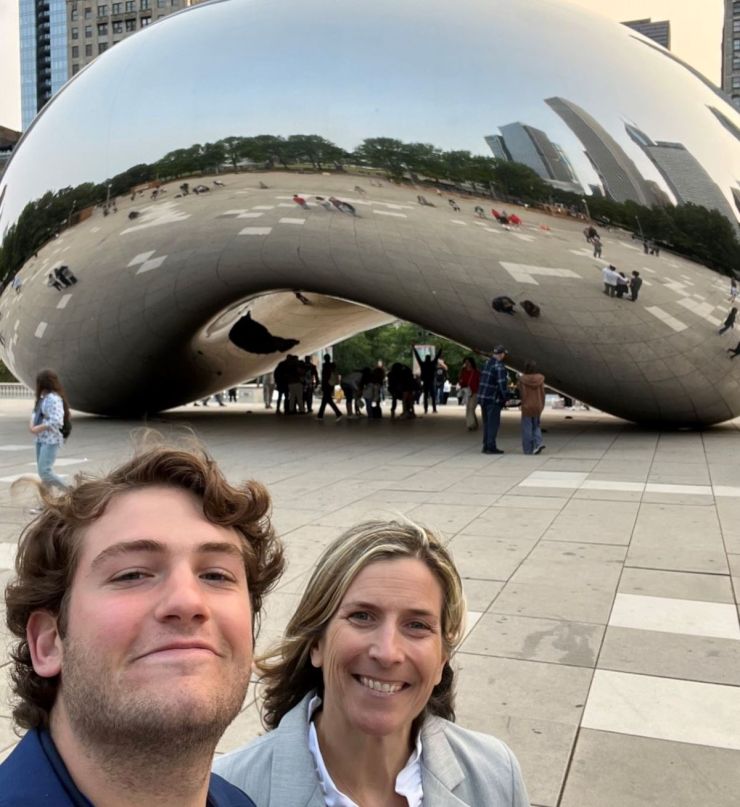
{"x": 700, "y": 234}
{"x": 392, "y": 343}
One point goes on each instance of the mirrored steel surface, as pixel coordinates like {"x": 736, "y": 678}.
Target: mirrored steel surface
{"x": 164, "y": 276}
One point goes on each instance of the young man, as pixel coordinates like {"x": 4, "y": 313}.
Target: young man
{"x": 492, "y": 397}
{"x": 133, "y": 612}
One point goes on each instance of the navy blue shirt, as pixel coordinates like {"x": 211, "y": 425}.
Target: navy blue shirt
{"x": 35, "y": 774}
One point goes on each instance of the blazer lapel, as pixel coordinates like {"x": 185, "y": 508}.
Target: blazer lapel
{"x": 293, "y": 776}
{"x": 441, "y": 772}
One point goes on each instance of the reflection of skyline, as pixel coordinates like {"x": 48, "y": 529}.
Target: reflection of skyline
{"x": 619, "y": 175}
{"x": 684, "y": 174}
{"x": 522, "y": 143}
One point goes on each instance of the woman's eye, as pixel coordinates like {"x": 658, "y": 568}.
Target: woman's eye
{"x": 360, "y": 616}
{"x": 419, "y": 626}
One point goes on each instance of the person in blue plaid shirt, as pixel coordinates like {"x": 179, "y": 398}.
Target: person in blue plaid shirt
{"x": 491, "y": 397}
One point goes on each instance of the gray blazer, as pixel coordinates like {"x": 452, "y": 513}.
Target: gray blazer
{"x": 458, "y": 767}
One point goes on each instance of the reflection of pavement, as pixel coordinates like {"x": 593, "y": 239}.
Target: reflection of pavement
{"x": 603, "y": 644}
{"x": 428, "y": 264}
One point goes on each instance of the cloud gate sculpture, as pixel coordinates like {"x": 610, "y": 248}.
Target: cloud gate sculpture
{"x": 247, "y": 178}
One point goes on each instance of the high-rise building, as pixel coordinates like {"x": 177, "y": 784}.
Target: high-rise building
{"x": 530, "y": 146}
{"x": 659, "y": 32}
{"x": 683, "y": 173}
{"x": 619, "y": 175}
{"x": 498, "y": 147}
{"x": 731, "y": 51}
{"x": 94, "y": 28}
{"x": 43, "y": 49}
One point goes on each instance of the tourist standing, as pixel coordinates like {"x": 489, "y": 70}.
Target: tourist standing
{"x": 268, "y": 388}
{"x": 469, "y": 382}
{"x": 635, "y": 285}
{"x": 532, "y": 395}
{"x": 492, "y": 397}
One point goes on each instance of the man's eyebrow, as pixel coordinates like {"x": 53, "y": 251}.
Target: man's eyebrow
{"x": 157, "y": 547}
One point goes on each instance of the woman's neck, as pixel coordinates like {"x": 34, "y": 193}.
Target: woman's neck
{"x": 362, "y": 766}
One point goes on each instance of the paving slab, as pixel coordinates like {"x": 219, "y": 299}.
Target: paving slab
{"x": 619, "y": 770}
{"x": 625, "y": 519}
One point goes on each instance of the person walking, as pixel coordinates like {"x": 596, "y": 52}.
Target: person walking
{"x": 50, "y": 412}
{"x": 328, "y": 382}
{"x": 596, "y": 241}
{"x": 635, "y": 285}
{"x": 469, "y": 382}
{"x": 735, "y": 352}
{"x": 492, "y": 397}
{"x": 532, "y": 395}
{"x": 730, "y": 320}
{"x": 733, "y": 289}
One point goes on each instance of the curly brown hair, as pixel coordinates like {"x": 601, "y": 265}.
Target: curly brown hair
{"x": 49, "y": 548}
{"x": 287, "y": 673}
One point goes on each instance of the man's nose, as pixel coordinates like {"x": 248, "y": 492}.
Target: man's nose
{"x": 183, "y": 596}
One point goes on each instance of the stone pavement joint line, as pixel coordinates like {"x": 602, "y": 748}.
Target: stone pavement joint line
{"x": 601, "y": 577}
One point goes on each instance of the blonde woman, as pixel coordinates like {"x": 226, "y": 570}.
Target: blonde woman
{"x": 360, "y": 692}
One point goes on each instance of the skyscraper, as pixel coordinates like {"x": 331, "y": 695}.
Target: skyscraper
{"x": 621, "y": 178}
{"x": 684, "y": 174}
{"x": 522, "y": 143}
{"x": 659, "y": 32}
{"x": 731, "y": 51}
{"x": 94, "y": 28}
{"x": 43, "y": 48}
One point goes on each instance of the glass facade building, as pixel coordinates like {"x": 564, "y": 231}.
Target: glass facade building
{"x": 43, "y": 40}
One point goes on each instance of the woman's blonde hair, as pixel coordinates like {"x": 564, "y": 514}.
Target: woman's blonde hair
{"x": 287, "y": 674}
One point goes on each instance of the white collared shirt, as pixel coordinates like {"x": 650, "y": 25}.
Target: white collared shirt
{"x": 408, "y": 781}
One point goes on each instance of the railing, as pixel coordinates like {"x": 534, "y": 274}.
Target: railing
{"x": 15, "y": 391}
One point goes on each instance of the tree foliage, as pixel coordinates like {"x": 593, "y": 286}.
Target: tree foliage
{"x": 393, "y": 343}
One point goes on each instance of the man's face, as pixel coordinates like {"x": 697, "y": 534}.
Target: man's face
{"x": 159, "y": 629}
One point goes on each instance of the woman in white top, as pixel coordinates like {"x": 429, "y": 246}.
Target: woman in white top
{"x": 49, "y": 413}
{"x": 359, "y": 692}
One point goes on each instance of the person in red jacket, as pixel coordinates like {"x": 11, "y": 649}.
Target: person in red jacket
{"x": 532, "y": 394}
{"x": 469, "y": 381}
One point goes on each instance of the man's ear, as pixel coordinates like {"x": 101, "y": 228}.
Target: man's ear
{"x": 45, "y": 644}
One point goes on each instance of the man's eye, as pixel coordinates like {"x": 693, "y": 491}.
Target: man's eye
{"x": 217, "y": 576}
{"x": 126, "y": 577}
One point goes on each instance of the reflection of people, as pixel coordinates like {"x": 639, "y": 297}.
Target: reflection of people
{"x": 359, "y": 693}
{"x": 609, "y": 276}
{"x": 635, "y": 285}
{"x": 132, "y": 611}
{"x": 503, "y": 304}
{"x": 734, "y": 351}
{"x": 49, "y": 413}
{"x": 733, "y": 289}
{"x": 428, "y": 369}
{"x": 532, "y": 394}
{"x": 596, "y": 241}
{"x": 729, "y": 320}
{"x": 492, "y": 397}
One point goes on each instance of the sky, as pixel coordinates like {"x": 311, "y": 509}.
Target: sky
{"x": 696, "y": 38}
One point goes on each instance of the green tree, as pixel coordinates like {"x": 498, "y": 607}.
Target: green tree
{"x": 382, "y": 152}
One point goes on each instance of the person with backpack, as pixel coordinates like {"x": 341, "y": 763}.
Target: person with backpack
{"x": 50, "y": 425}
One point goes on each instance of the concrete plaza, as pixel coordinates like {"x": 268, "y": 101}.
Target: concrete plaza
{"x": 602, "y": 576}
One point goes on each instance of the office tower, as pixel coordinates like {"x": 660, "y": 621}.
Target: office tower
{"x": 498, "y": 147}
{"x": 619, "y": 175}
{"x": 530, "y": 146}
{"x": 659, "y": 32}
{"x": 683, "y": 173}
{"x": 731, "y": 52}
{"x": 94, "y": 28}
{"x": 43, "y": 50}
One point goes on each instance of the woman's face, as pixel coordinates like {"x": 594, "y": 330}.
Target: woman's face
{"x": 382, "y": 652}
